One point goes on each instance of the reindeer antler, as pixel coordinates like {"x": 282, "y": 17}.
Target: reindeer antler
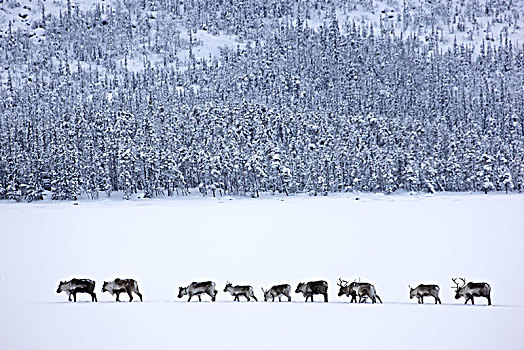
{"x": 456, "y": 283}
{"x": 342, "y": 283}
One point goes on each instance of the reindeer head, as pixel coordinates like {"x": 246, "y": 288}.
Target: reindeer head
{"x": 343, "y": 287}
{"x": 104, "y": 287}
{"x": 301, "y": 288}
{"x": 267, "y": 295}
{"x": 61, "y": 287}
{"x": 228, "y": 285}
{"x": 182, "y": 291}
{"x": 412, "y": 293}
{"x": 459, "y": 289}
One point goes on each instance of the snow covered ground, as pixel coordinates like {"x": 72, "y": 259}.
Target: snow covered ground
{"x": 391, "y": 241}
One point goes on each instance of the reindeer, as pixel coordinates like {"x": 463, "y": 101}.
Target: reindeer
{"x": 197, "y": 288}
{"x": 118, "y": 286}
{"x": 471, "y": 290}
{"x": 345, "y": 289}
{"x": 237, "y": 291}
{"x": 366, "y": 290}
{"x": 424, "y": 290}
{"x": 311, "y": 288}
{"x": 363, "y": 290}
{"x": 77, "y": 286}
{"x": 277, "y": 291}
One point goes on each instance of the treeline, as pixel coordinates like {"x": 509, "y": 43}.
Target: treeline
{"x": 339, "y": 108}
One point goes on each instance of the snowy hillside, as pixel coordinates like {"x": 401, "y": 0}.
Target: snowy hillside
{"x": 391, "y": 241}
{"x": 470, "y": 21}
{"x": 156, "y": 98}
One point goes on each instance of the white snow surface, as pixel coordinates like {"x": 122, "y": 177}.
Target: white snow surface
{"x": 391, "y": 241}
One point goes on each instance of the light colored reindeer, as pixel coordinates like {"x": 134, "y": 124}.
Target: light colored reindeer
{"x": 424, "y": 290}
{"x": 471, "y": 290}
{"x": 363, "y": 290}
{"x": 198, "y": 288}
{"x": 237, "y": 291}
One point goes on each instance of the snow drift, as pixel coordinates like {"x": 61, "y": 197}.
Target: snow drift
{"x": 391, "y": 241}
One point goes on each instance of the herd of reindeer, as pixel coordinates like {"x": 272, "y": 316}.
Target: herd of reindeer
{"x": 364, "y": 291}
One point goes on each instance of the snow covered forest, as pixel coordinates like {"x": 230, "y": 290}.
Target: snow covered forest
{"x": 245, "y": 96}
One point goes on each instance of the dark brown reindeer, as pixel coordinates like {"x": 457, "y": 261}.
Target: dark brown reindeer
{"x": 345, "y": 289}
{"x": 311, "y": 288}
{"x": 471, "y": 290}
{"x": 277, "y": 291}
{"x": 424, "y": 290}
{"x": 77, "y": 286}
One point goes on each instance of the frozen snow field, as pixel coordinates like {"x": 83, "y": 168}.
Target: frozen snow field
{"x": 391, "y": 241}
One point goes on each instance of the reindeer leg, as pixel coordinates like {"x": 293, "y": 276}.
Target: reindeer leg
{"x": 325, "y": 297}
{"x": 74, "y": 297}
{"x": 190, "y": 296}
{"x": 279, "y": 299}
{"x": 422, "y": 299}
{"x": 489, "y": 299}
{"x": 199, "y": 298}
{"x": 139, "y": 295}
{"x": 117, "y": 296}
{"x": 130, "y": 295}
